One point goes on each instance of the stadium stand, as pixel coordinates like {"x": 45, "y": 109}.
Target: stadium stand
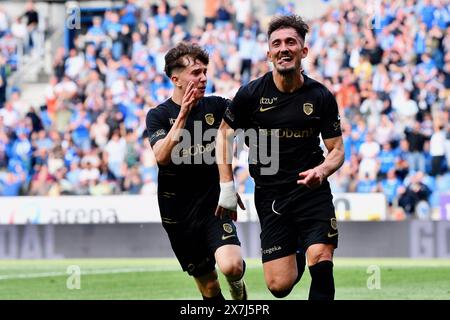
{"x": 390, "y": 72}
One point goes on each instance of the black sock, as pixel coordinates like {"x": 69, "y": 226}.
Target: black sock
{"x": 217, "y": 298}
{"x": 301, "y": 263}
{"x": 243, "y": 269}
{"x": 322, "y": 281}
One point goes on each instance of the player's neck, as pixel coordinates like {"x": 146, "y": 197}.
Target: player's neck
{"x": 288, "y": 82}
{"x": 177, "y": 97}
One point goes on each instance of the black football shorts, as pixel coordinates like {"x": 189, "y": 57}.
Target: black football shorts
{"x": 294, "y": 219}
{"x": 195, "y": 240}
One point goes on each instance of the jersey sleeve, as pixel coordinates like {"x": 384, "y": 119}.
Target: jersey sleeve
{"x": 331, "y": 120}
{"x": 222, "y": 105}
{"x": 236, "y": 114}
{"x": 157, "y": 126}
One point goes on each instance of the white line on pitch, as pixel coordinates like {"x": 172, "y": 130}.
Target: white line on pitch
{"x": 104, "y": 271}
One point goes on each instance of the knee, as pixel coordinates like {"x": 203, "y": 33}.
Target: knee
{"x": 280, "y": 288}
{"x": 325, "y": 253}
{"x": 232, "y": 269}
{"x": 280, "y": 293}
{"x": 322, "y": 256}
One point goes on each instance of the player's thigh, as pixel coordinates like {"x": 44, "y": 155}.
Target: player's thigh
{"x": 278, "y": 231}
{"x": 190, "y": 248}
{"x": 319, "y": 238}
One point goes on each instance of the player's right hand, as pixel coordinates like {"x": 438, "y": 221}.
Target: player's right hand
{"x": 189, "y": 99}
{"x": 228, "y": 201}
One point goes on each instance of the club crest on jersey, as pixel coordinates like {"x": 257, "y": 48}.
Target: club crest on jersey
{"x": 209, "y": 117}
{"x": 308, "y": 108}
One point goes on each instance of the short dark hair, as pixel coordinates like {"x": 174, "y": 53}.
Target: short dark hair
{"x": 292, "y": 21}
{"x": 175, "y": 58}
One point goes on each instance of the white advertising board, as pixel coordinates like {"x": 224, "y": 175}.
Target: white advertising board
{"x": 142, "y": 209}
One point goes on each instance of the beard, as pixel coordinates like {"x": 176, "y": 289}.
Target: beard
{"x": 289, "y": 71}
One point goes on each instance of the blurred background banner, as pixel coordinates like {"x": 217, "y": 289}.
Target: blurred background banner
{"x": 82, "y": 209}
{"x": 144, "y": 209}
{"x": 445, "y": 206}
{"x": 409, "y": 239}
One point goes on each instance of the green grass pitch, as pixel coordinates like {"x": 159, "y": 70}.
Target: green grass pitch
{"x": 162, "y": 279}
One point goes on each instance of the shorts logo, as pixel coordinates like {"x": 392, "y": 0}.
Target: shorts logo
{"x": 227, "y": 227}
{"x": 172, "y": 121}
{"x": 273, "y": 208}
{"x": 271, "y": 250}
{"x": 209, "y": 117}
{"x": 308, "y": 108}
{"x": 330, "y": 235}
{"x": 333, "y": 223}
{"x": 224, "y": 237}
{"x": 336, "y": 125}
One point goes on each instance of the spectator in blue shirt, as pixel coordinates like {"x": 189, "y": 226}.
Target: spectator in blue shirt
{"x": 95, "y": 33}
{"x": 366, "y": 185}
{"x": 128, "y": 14}
{"x": 390, "y": 186}
{"x": 427, "y": 13}
{"x": 10, "y": 183}
{"x": 80, "y": 123}
{"x": 387, "y": 159}
{"x": 163, "y": 20}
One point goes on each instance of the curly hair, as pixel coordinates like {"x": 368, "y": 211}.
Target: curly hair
{"x": 178, "y": 57}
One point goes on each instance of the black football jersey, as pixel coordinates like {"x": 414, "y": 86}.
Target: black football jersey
{"x": 296, "y": 119}
{"x": 188, "y": 169}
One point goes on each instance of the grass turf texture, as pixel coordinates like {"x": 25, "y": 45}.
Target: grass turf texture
{"x": 162, "y": 279}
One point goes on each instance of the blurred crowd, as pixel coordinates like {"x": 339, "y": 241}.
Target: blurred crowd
{"x": 389, "y": 68}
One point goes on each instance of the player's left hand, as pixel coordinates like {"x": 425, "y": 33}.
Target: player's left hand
{"x": 312, "y": 178}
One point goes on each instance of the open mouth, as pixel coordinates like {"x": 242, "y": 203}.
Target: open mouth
{"x": 285, "y": 59}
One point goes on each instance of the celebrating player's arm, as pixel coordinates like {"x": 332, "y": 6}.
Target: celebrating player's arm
{"x": 228, "y": 199}
{"x": 313, "y": 178}
{"x": 163, "y": 148}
